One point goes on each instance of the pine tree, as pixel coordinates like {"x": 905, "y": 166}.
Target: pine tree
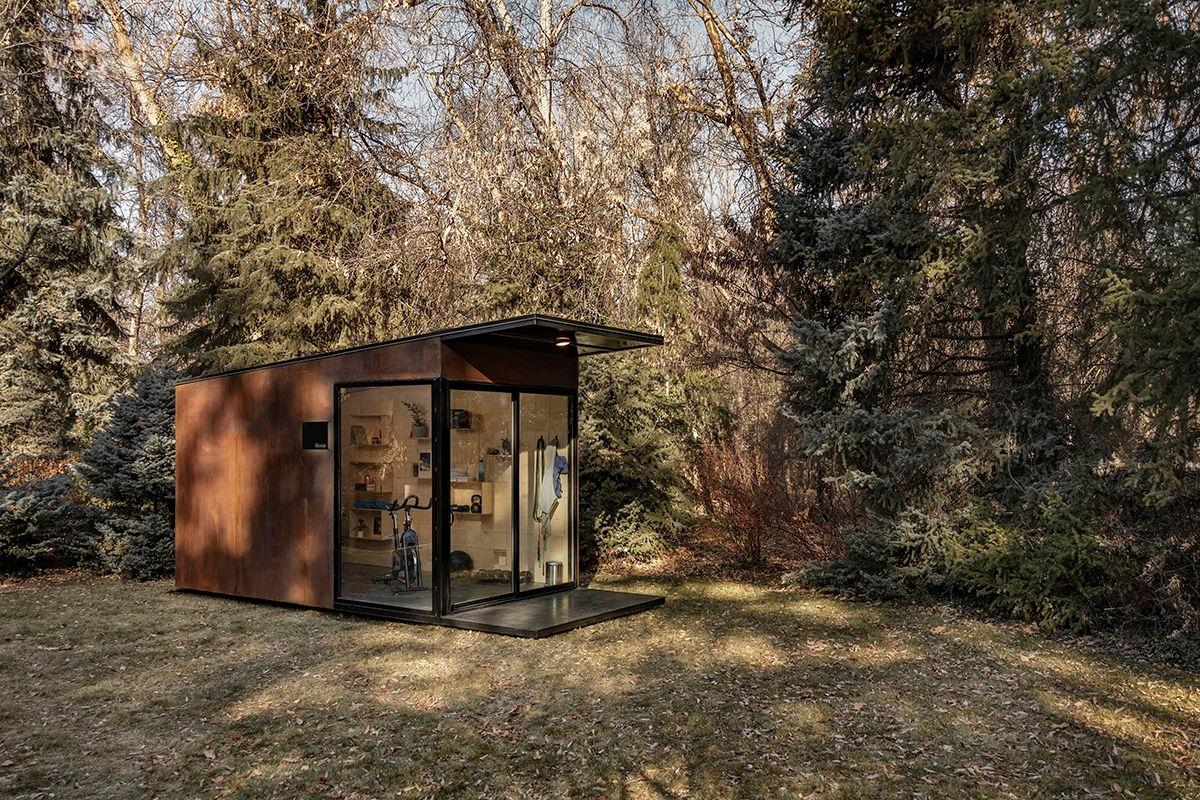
{"x": 61, "y": 270}
{"x": 285, "y": 254}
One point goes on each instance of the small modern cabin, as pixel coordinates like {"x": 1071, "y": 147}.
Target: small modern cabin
{"x": 430, "y": 479}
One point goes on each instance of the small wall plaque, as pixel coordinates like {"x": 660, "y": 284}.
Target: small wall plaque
{"x": 314, "y": 435}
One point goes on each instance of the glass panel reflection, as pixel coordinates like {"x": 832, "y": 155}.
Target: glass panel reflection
{"x": 546, "y": 501}
{"x": 481, "y": 536}
{"x": 386, "y": 549}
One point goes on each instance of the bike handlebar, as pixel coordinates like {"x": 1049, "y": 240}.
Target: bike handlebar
{"x": 412, "y": 502}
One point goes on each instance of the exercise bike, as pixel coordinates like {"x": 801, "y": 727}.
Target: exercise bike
{"x": 406, "y": 553}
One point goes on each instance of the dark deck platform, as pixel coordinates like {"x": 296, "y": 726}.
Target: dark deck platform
{"x": 537, "y": 617}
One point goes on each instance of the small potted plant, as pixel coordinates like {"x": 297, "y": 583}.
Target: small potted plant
{"x": 420, "y": 429}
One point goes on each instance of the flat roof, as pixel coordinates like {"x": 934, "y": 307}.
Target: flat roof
{"x": 536, "y": 332}
{"x": 539, "y": 332}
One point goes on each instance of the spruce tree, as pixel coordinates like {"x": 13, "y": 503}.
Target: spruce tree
{"x": 989, "y": 234}
{"x": 285, "y": 252}
{"x": 920, "y": 186}
{"x": 41, "y": 525}
{"x": 61, "y": 270}
{"x": 1135, "y": 151}
{"x": 973, "y": 188}
{"x": 130, "y": 466}
{"x": 129, "y": 475}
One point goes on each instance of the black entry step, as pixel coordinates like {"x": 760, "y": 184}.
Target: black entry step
{"x": 548, "y": 614}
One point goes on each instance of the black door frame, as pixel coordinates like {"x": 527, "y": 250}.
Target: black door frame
{"x": 440, "y": 389}
{"x": 515, "y": 592}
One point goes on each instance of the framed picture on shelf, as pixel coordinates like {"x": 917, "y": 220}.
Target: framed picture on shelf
{"x": 358, "y": 434}
{"x": 377, "y": 527}
{"x": 426, "y": 462}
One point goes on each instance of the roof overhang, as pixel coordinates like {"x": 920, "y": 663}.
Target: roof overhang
{"x": 552, "y": 334}
{"x": 534, "y": 332}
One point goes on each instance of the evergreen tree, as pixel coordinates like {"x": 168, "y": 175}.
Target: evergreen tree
{"x": 141, "y": 549}
{"x": 129, "y": 475}
{"x": 637, "y": 430}
{"x": 61, "y": 270}
{"x": 1135, "y": 155}
{"x": 970, "y": 177}
{"x": 41, "y": 525}
{"x": 287, "y": 250}
{"x": 660, "y": 295}
{"x": 911, "y": 238}
{"x": 990, "y": 235}
{"x": 130, "y": 467}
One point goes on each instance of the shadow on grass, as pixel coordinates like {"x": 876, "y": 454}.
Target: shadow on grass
{"x": 727, "y": 691}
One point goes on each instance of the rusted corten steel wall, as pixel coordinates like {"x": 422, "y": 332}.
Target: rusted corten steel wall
{"x": 254, "y": 511}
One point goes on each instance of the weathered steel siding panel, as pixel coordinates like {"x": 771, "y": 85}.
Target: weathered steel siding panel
{"x": 255, "y": 515}
{"x": 411, "y": 361}
{"x": 274, "y": 562}
{"x": 206, "y": 509}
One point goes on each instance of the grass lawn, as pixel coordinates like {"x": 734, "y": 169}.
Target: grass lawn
{"x": 113, "y": 689}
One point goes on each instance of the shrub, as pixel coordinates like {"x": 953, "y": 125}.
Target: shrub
{"x": 141, "y": 549}
{"x": 630, "y": 530}
{"x": 636, "y": 447}
{"x": 1051, "y": 570}
{"x": 113, "y": 509}
{"x": 884, "y": 560}
{"x": 1159, "y": 548}
{"x": 42, "y": 526}
{"x": 763, "y": 500}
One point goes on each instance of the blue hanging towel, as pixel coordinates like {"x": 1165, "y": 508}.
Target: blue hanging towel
{"x": 560, "y": 468}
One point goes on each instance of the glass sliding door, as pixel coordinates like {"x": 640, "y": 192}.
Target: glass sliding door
{"x": 546, "y": 491}
{"x": 385, "y": 552}
{"x": 481, "y": 475}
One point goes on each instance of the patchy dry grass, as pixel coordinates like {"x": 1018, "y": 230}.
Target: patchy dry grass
{"x": 118, "y": 690}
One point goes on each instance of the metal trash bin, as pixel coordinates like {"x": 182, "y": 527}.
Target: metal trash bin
{"x": 554, "y": 572}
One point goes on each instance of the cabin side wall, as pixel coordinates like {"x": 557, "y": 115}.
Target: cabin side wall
{"x": 207, "y": 537}
{"x": 255, "y": 511}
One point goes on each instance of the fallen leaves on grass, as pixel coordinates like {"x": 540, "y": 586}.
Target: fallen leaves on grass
{"x": 728, "y": 691}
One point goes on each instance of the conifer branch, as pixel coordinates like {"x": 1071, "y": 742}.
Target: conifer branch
{"x": 23, "y": 256}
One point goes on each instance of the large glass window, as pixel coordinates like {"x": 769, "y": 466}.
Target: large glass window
{"x": 386, "y": 549}
{"x": 546, "y": 500}
{"x": 386, "y": 536}
{"x": 481, "y": 536}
